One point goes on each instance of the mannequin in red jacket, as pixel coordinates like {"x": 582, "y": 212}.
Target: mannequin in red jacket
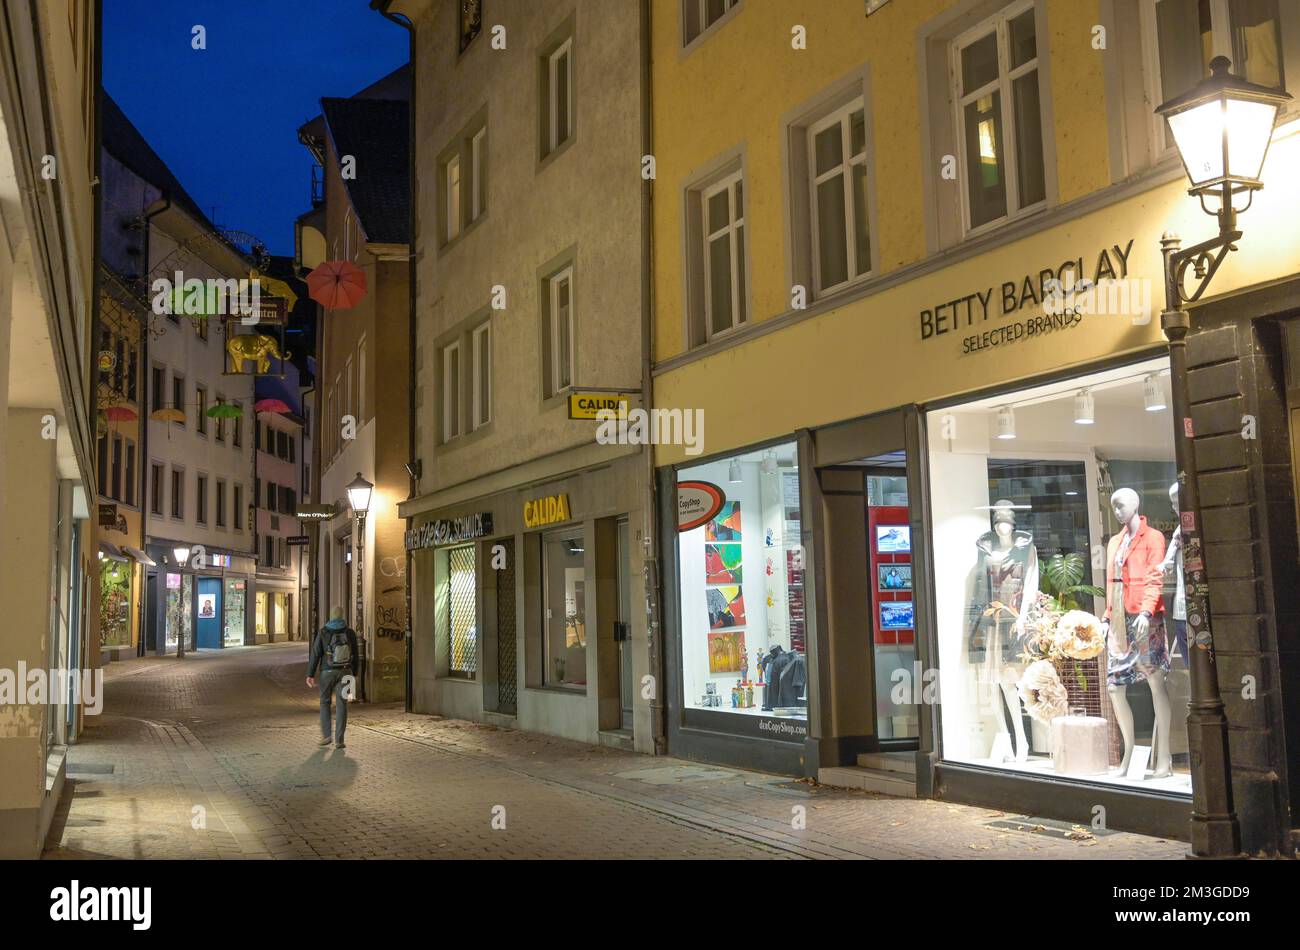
{"x": 1135, "y": 624}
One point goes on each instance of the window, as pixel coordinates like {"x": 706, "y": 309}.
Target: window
{"x": 837, "y": 160}
{"x": 221, "y": 503}
{"x": 178, "y": 395}
{"x": 998, "y": 115}
{"x": 132, "y": 374}
{"x": 115, "y": 483}
{"x": 288, "y": 500}
{"x": 128, "y": 487}
{"x": 471, "y": 21}
{"x": 221, "y": 421}
{"x": 557, "y": 97}
{"x": 270, "y": 440}
{"x": 201, "y": 410}
{"x": 293, "y": 442}
{"x": 237, "y": 436}
{"x": 155, "y": 488}
{"x": 101, "y": 464}
{"x": 201, "y": 499}
{"x": 559, "y": 339}
{"x": 271, "y": 493}
{"x": 281, "y": 444}
{"x": 564, "y": 611}
{"x": 119, "y": 365}
{"x": 477, "y": 158}
{"x": 723, "y": 230}
{"x": 201, "y": 326}
{"x": 451, "y": 197}
{"x": 741, "y": 584}
{"x": 270, "y": 551}
{"x": 481, "y": 377}
{"x": 1021, "y": 506}
{"x": 699, "y": 15}
{"x": 158, "y": 386}
{"x": 462, "y": 629}
{"x": 178, "y": 492}
{"x": 450, "y": 391}
{"x": 237, "y": 508}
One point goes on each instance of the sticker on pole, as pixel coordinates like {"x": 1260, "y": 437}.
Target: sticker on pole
{"x": 1187, "y": 427}
{"x": 1188, "y": 521}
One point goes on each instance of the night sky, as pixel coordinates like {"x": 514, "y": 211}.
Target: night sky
{"x": 225, "y": 119}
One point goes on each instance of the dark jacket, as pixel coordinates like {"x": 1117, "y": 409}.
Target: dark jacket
{"x": 320, "y": 649}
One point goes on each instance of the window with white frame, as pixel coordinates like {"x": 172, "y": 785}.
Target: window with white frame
{"x": 837, "y": 162}
{"x": 557, "y": 96}
{"x": 999, "y": 119}
{"x": 481, "y": 376}
{"x": 699, "y": 15}
{"x": 723, "y": 230}
{"x": 477, "y": 158}
{"x": 1184, "y": 35}
{"x": 559, "y": 332}
{"x": 451, "y": 197}
{"x": 451, "y": 391}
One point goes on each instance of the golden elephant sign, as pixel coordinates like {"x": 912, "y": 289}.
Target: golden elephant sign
{"x": 253, "y": 346}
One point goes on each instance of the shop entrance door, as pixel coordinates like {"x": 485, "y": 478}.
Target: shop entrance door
{"x": 209, "y": 613}
{"x": 624, "y": 628}
{"x": 507, "y": 675}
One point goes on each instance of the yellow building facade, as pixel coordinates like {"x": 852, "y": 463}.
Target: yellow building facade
{"x": 908, "y": 270}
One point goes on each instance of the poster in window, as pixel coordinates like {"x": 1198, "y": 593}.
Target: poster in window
{"x": 726, "y": 651}
{"x": 722, "y": 564}
{"x": 896, "y": 615}
{"x": 726, "y": 607}
{"x": 725, "y": 525}
{"x": 207, "y": 606}
{"x": 893, "y": 539}
{"x": 893, "y": 577}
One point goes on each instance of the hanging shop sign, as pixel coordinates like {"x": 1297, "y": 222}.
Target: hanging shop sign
{"x": 107, "y": 516}
{"x": 697, "y": 502}
{"x": 449, "y": 531}
{"x": 1051, "y": 299}
{"x": 297, "y": 540}
{"x": 314, "y": 512}
{"x": 549, "y": 510}
{"x": 586, "y": 405}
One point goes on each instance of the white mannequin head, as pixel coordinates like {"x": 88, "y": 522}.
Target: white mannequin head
{"x": 1173, "y": 496}
{"x": 1125, "y": 503}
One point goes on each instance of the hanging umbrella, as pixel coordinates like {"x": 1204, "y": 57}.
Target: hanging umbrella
{"x": 337, "y": 285}
{"x": 119, "y": 414}
{"x": 167, "y": 415}
{"x": 224, "y": 410}
{"x": 270, "y": 405}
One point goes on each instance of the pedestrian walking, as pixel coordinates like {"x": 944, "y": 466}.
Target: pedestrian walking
{"x": 334, "y": 656}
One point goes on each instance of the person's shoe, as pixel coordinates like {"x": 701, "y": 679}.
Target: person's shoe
{"x": 325, "y": 741}
{"x": 340, "y": 744}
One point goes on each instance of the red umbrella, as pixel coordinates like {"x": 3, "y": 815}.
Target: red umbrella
{"x": 337, "y": 285}
{"x": 270, "y": 405}
{"x": 119, "y": 414}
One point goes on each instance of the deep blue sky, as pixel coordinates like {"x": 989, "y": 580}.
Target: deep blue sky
{"x": 226, "y": 118}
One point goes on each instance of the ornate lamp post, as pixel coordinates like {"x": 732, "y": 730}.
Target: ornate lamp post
{"x": 1222, "y": 128}
{"x": 182, "y": 554}
{"x": 359, "y": 491}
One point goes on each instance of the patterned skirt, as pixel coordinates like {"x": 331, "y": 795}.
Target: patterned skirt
{"x": 1146, "y": 653}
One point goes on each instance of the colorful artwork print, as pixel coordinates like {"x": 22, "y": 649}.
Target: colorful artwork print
{"x": 725, "y": 525}
{"x": 726, "y": 607}
{"x": 726, "y": 651}
{"x": 722, "y": 564}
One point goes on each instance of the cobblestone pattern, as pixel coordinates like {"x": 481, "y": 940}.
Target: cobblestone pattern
{"x": 215, "y": 756}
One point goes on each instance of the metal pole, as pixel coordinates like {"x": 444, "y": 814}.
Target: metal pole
{"x": 360, "y": 558}
{"x": 1215, "y": 830}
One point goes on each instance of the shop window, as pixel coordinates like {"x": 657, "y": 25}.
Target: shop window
{"x": 995, "y": 68}
{"x": 564, "y": 610}
{"x": 557, "y": 96}
{"x": 698, "y": 16}
{"x": 179, "y": 611}
{"x": 462, "y": 627}
{"x": 481, "y": 382}
{"x": 234, "y": 608}
{"x": 114, "y": 603}
{"x": 741, "y": 578}
{"x": 558, "y": 340}
{"x": 1058, "y": 592}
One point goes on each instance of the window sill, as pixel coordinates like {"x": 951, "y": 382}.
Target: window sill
{"x": 558, "y": 690}
{"x": 546, "y": 159}
{"x": 992, "y": 227}
{"x": 709, "y": 31}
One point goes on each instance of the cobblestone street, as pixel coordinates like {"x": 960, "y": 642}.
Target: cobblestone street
{"x": 215, "y": 756}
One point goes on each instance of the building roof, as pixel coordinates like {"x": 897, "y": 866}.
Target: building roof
{"x": 123, "y": 141}
{"x": 375, "y": 132}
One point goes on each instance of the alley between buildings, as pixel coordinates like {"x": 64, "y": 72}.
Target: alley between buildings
{"x": 215, "y": 756}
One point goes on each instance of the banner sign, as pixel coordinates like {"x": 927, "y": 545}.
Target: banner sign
{"x": 449, "y": 531}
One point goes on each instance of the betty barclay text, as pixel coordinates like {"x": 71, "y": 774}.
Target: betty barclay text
{"x": 1013, "y": 296}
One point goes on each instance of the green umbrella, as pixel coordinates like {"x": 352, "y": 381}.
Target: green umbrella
{"x": 224, "y": 410}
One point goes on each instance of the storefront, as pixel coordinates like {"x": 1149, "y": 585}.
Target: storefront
{"x": 522, "y": 608}
{"x": 205, "y": 606}
{"x": 274, "y": 613}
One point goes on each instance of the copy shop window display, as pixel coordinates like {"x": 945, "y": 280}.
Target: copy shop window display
{"x": 1058, "y": 592}
{"x": 742, "y": 586}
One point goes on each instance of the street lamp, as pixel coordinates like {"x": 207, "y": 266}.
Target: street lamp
{"x": 359, "y": 491}
{"x": 182, "y": 555}
{"x": 1222, "y": 127}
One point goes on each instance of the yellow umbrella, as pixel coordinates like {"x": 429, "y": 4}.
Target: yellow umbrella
{"x": 168, "y": 415}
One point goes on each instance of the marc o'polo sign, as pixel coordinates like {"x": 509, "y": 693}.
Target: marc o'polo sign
{"x": 976, "y": 309}
{"x": 697, "y": 502}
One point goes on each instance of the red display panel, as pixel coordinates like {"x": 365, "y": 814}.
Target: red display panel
{"x": 889, "y": 545}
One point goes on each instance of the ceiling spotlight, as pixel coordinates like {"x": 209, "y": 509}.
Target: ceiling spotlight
{"x": 1006, "y": 423}
{"x": 733, "y": 472}
{"x": 1155, "y": 399}
{"x": 1083, "y": 408}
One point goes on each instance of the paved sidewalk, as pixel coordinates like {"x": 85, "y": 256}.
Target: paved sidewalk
{"x": 215, "y": 756}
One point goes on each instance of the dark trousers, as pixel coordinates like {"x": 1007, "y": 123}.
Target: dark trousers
{"x": 331, "y": 688}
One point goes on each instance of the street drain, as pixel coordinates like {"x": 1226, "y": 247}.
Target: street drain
{"x": 1050, "y": 827}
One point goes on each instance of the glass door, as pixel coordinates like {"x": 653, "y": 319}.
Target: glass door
{"x": 890, "y": 592}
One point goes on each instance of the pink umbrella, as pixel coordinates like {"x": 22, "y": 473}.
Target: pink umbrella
{"x": 119, "y": 414}
{"x": 337, "y": 285}
{"x": 271, "y": 405}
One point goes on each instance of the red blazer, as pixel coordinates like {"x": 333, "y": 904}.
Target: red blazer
{"x": 1143, "y": 582}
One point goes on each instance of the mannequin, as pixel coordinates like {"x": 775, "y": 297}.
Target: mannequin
{"x": 1134, "y": 624}
{"x": 1006, "y": 583}
{"x": 1174, "y": 559}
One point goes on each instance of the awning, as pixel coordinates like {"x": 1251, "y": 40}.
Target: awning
{"x": 140, "y": 556}
{"x": 111, "y": 552}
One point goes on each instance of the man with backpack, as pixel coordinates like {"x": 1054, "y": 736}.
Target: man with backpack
{"x": 334, "y": 654}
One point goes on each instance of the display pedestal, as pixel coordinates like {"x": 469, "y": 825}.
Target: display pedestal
{"x": 1080, "y": 745}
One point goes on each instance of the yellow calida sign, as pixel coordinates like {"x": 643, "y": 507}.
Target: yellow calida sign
{"x": 550, "y": 510}
{"x": 586, "y": 405}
